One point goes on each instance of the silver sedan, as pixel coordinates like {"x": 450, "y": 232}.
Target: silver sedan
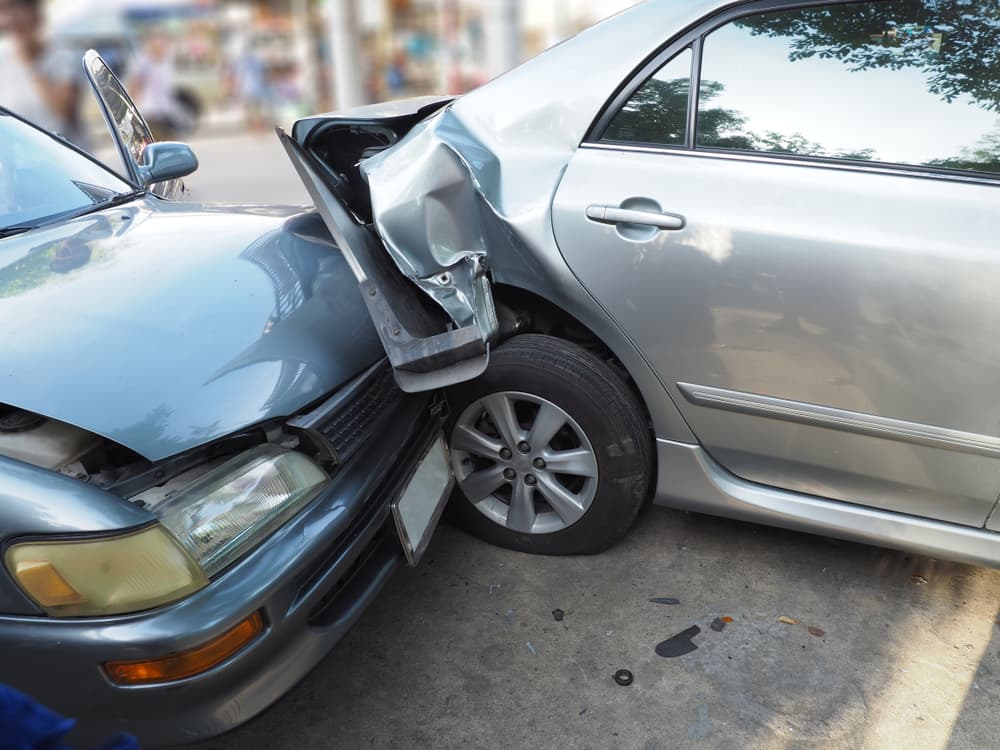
{"x": 738, "y": 258}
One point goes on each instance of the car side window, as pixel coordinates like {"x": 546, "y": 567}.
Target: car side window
{"x": 912, "y": 82}
{"x": 658, "y": 111}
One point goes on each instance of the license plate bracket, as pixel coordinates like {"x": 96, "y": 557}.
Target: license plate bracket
{"x": 418, "y": 508}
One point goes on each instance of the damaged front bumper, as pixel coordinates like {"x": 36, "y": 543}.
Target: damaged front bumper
{"x": 429, "y": 345}
{"x": 310, "y": 582}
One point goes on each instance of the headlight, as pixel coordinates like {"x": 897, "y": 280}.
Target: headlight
{"x": 227, "y": 512}
{"x": 96, "y": 577}
{"x": 203, "y": 528}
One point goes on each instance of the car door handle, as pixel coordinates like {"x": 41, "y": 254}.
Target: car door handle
{"x": 616, "y": 215}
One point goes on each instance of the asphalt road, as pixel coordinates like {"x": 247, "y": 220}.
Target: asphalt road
{"x": 244, "y": 168}
{"x": 442, "y": 659}
{"x": 464, "y": 651}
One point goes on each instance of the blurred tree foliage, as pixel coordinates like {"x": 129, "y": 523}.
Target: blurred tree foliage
{"x": 955, "y": 42}
{"x": 31, "y": 271}
{"x": 984, "y": 156}
{"x": 657, "y": 113}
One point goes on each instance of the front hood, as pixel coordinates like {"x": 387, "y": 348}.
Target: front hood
{"x": 163, "y": 326}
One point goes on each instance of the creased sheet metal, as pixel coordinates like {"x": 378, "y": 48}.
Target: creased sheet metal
{"x": 470, "y": 189}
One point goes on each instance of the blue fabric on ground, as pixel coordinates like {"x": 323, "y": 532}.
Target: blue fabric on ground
{"x": 26, "y": 724}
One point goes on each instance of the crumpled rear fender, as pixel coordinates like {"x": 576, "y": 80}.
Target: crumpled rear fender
{"x": 434, "y": 218}
{"x": 425, "y": 351}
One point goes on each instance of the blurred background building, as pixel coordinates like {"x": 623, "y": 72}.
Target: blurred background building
{"x": 254, "y": 63}
{"x": 220, "y": 74}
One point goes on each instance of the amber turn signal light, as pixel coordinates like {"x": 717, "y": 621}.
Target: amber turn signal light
{"x": 50, "y": 588}
{"x": 187, "y": 663}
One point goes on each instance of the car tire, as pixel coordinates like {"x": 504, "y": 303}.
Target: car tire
{"x": 577, "y": 491}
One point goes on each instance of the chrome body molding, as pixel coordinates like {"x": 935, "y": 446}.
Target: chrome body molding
{"x": 815, "y": 415}
{"x": 689, "y": 479}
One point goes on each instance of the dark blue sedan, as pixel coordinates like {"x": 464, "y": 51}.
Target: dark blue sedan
{"x": 207, "y": 469}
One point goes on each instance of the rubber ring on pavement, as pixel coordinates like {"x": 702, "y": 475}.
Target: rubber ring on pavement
{"x": 624, "y": 678}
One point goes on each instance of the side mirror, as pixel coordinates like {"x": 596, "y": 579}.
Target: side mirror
{"x": 166, "y": 160}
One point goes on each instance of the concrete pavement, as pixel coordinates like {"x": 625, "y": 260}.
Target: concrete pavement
{"x": 244, "y": 167}
{"x": 442, "y": 658}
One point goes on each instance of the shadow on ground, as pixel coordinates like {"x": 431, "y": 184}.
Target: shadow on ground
{"x": 442, "y": 658}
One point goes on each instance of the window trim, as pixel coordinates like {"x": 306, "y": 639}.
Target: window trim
{"x": 813, "y": 162}
{"x": 691, "y": 117}
{"x": 693, "y": 37}
{"x": 694, "y": 94}
{"x": 688, "y": 37}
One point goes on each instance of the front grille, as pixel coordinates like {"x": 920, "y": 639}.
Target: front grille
{"x": 346, "y": 420}
{"x": 352, "y": 424}
{"x": 375, "y": 520}
{"x": 369, "y": 540}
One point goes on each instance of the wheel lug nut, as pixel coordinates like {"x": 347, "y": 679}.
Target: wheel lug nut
{"x": 509, "y": 474}
{"x": 524, "y": 447}
{"x": 505, "y": 454}
{"x": 530, "y": 480}
{"x": 538, "y": 463}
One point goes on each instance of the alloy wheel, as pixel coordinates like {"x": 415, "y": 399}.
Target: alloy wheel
{"x": 524, "y": 462}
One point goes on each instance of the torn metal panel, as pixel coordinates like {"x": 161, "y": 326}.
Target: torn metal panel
{"x": 424, "y": 355}
{"x": 394, "y": 114}
{"x": 436, "y": 234}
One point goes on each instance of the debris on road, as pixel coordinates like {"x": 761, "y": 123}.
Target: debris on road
{"x": 558, "y": 615}
{"x": 818, "y": 632}
{"x": 788, "y": 620}
{"x": 719, "y": 623}
{"x": 918, "y": 579}
{"x": 623, "y": 677}
{"x": 531, "y": 649}
{"x": 679, "y": 644}
{"x": 665, "y": 600}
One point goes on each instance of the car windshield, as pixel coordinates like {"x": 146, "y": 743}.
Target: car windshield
{"x": 43, "y": 179}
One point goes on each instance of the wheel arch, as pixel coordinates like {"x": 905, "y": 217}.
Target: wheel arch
{"x": 523, "y": 310}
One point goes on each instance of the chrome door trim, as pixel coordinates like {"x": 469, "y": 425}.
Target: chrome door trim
{"x": 691, "y": 480}
{"x": 815, "y": 162}
{"x": 828, "y": 417}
